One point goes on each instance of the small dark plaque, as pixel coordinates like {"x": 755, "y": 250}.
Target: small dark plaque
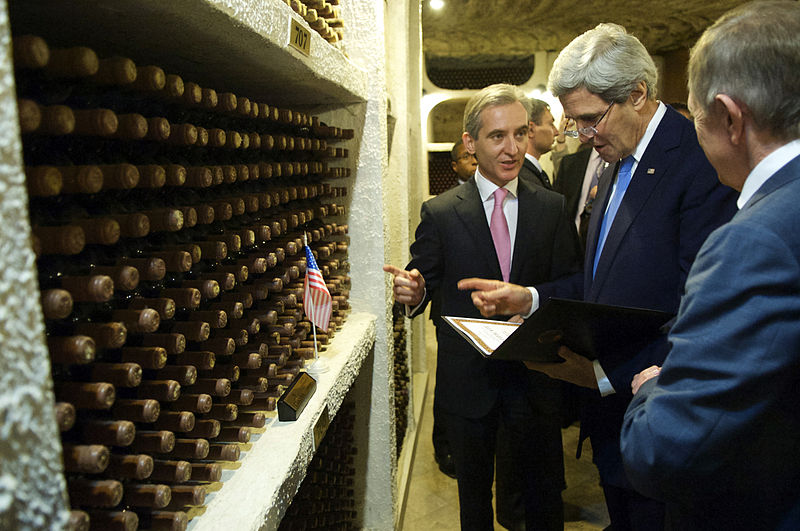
{"x": 295, "y": 398}
{"x": 321, "y": 427}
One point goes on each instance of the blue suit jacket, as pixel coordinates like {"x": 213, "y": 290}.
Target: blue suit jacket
{"x": 717, "y": 435}
{"x": 673, "y": 203}
{"x": 453, "y": 242}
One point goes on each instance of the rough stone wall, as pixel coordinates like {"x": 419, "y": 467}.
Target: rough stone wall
{"x": 32, "y": 490}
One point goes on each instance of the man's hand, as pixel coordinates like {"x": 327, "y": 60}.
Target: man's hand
{"x": 409, "y": 286}
{"x": 576, "y": 369}
{"x": 642, "y": 377}
{"x": 494, "y": 297}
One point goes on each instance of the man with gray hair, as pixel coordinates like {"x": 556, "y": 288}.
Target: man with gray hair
{"x": 498, "y": 226}
{"x": 715, "y": 431}
{"x": 656, "y": 203}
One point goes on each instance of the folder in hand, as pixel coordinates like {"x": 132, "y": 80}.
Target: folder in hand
{"x": 587, "y": 328}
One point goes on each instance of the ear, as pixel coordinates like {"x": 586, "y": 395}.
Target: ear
{"x": 453, "y": 165}
{"x": 469, "y": 142}
{"x": 733, "y": 117}
{"x": 531, "y": 129}
{"x": 639, "y": 95}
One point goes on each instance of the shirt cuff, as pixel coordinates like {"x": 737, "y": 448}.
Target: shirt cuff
{"x": 412, "y": 311}
{"x": 534, "y": 302}
{"x": 603, "y": 382}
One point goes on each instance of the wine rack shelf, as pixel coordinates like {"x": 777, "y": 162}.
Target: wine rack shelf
{"x": 273, "y": 468}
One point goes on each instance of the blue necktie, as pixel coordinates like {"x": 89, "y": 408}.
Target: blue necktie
{"x": 623, "y": 180}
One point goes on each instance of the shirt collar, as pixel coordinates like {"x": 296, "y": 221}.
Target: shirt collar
{"x": 765, "y": 169}
{"x": 638, "y": 153}
{"x": 486, "y": 187}
{"x": 534, "y": 161}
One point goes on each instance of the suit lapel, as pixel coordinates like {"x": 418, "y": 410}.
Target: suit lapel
{"x": 470, "y": 210}
{"x": 535, "y": 172}
{"x": 598, "y": 212}
{"x": 650, "y": 170}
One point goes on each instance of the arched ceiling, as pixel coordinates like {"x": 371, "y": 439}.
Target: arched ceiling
{"x": 495, "y": 29}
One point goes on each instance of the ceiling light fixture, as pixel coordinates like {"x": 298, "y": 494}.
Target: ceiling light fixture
{"x": 436, "y": 4}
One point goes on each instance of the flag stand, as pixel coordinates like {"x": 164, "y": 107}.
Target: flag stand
{"x": 319, "y": 365}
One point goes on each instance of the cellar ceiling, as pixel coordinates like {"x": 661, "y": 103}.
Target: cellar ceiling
{"x": 494, "y": 31}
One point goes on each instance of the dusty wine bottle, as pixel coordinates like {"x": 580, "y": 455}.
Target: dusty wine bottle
{"x": 85, "y": 458}
{"x": 108, "y": 432}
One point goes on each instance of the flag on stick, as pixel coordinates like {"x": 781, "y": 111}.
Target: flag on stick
{"x": 316, "y": 297}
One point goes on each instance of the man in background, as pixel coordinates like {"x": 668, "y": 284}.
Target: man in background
{"x": 541, "y": 135}
{"x": 578, "y": 176}
{"x": 656, "y": 203}
{"x": 715, "y": 434}
{"x": 462, "y": 161}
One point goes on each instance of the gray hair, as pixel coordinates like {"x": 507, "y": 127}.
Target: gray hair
{"x": 607, "y": 61}
{"x": 499, "y": 94}
{"x": 536, "y": 109}
{"x": 752, "y": 54}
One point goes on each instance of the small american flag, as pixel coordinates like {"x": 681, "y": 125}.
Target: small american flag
{"x": 316, "y": 297}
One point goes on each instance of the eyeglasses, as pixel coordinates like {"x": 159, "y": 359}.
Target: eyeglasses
{"x": 467, "y": 156}
{"x": 590, "y": 131}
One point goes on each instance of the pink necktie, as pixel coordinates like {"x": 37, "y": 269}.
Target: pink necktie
{"x": 499, "y": 228}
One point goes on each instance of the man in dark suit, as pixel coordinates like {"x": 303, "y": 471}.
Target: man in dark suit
{"x": 656, "y": 203}
{"x": 716, "y": 433}
{"x": 541, "y": 135}
{"x": 497, "y": 226}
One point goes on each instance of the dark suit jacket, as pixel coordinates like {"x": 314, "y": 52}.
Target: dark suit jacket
{"x": 571, "y": 171}
{"x": 672, "y": 204}
{"x": 531, "y": 173}
{"x": 716, "y": 435}
{"x": 453, "y": 242}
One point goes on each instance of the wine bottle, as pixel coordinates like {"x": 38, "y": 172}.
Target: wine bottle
{"x": 145, "y": 410}
{"x": 94, "y": 493}
{"x": 196, "y": 403}
{"x": 133, "y": 466}
{"x": 83, "y": 458}
{"x": 171, "y": 471}
{"x": 144, "y": 495}
{"x": 107, "y": 432}
{"x": 82, "y": 395}
{"x": 159, "y": 442}
{"x": 113, "y": 520}
{"x": 190, "y": 448}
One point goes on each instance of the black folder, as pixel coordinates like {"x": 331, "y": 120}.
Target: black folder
{"x": 587, "y": 328}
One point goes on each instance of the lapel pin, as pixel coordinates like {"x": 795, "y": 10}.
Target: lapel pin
{"x": 651, "y": 171}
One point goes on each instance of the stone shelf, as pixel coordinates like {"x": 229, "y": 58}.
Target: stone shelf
{"x": 256, "y": 493}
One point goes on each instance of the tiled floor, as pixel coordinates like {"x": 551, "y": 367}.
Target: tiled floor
{"x": 432, "y": 500}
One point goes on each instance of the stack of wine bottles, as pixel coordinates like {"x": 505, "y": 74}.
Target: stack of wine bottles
{"x": 168, "y": 222}
{"x": 326, "y": 499}
{"x": 401, "y": 376}
{"x": 323, "y": 16}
